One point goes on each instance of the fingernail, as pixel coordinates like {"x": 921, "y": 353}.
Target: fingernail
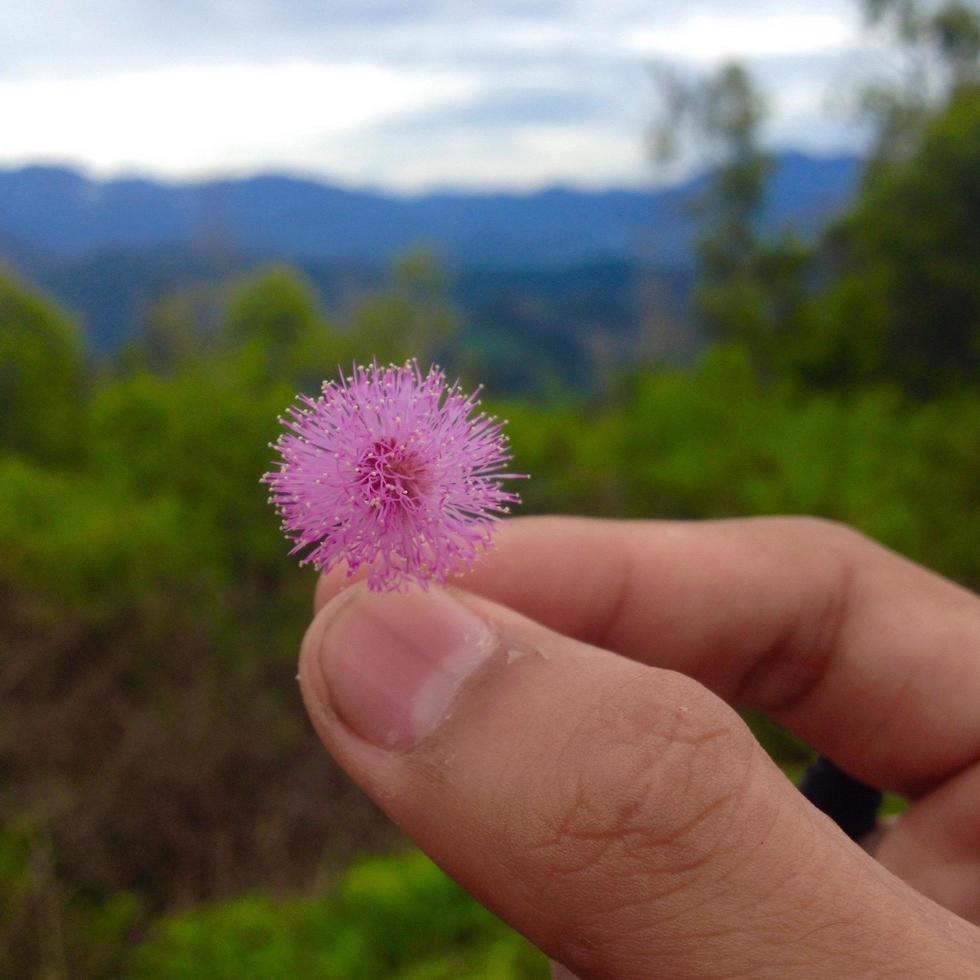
{"x": 394, "y": 663}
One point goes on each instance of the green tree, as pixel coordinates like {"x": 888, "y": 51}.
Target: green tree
{"x": 41, "y": 375}
{"x": 749, "y": 286}
{"x": 936, "y": 55}
{"x": 903, "y": 300}
{"x": 181, "y": 329}
{"x": 412, "y": 317}
{"x": 391, "y": 918}
{"x": 274, "y": 324}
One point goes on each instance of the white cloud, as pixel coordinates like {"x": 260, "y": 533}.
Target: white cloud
{"x": 188, "y": 120}
{"x": 706, "y": 37}
{"x": 538, "y": 156}
{"x": 407, "y": 94}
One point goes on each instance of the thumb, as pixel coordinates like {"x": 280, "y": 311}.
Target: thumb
{"x": 619, "y": 816}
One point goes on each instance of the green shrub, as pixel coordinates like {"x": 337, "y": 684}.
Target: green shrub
{"x": 41, "y": 376}
{"x": 714, "y": 443}
{"x": 391, "y": 918}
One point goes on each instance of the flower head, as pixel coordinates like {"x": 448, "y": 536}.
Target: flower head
{"x": 394, "y": 470}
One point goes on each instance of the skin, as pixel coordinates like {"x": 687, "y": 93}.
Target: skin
{"x": 594, "y": 788}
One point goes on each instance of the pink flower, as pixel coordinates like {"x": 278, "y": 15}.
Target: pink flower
{"x": 393, "y": 470}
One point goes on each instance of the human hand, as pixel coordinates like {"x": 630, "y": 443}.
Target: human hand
{"x": 614, "y": 808}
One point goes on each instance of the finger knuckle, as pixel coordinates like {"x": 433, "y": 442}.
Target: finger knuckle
{"x": 645, "y": 792}
{"x": 821, "y": 529}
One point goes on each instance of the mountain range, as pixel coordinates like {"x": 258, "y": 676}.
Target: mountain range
{"x": 557, "y": 265}
{"x": 59, "y": 212}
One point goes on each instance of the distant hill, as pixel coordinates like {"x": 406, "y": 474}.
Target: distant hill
{"x": 549, "y": 284}
{"x": 58, "y": 213}
{"x": 526, "y": 321}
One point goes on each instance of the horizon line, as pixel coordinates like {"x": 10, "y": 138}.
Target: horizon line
{"x": 650, "y": 184}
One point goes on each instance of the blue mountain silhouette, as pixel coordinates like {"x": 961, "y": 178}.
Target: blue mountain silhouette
{"x": 61, "y": 213}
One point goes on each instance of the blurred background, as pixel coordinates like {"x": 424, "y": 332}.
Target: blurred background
{"x": 711, "y": 259}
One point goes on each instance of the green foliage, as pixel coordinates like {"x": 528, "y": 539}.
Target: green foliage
{"x": 273, "y": 324}
{"x": 41, "y": 375}
{"x": 396, "y": 918}
{"x": 903, "y": 302}
{"x": 748, "y": 289}
{"x": 716, "y": 443}
{"x": 893, "y": 295}
{"x": 209, "y": 434}
{"x": 68, "y": 542}
{"x": 412, "y": 317}
{"x": 275, "y": 309}
{"x": 180, "y": 330}
{"x": 938, "y": 47}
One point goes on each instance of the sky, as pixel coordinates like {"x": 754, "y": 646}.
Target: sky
{"x": 408, "y": 95}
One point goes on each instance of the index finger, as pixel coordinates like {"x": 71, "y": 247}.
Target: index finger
{"x": 871, "y": 659}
